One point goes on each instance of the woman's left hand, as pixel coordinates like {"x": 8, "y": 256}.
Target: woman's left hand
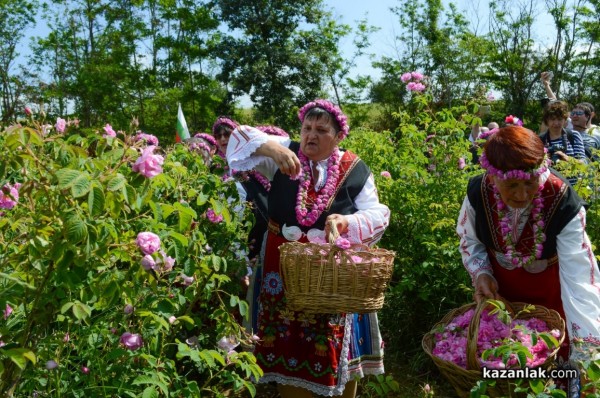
{"x": 339, "y": 221}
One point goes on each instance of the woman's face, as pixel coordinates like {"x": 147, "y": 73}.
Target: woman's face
{"x": 318, "y": 138}
{"x": 555, "y": 124}
{"x": 222, "y": 138}
{"x": 515, "y": 192}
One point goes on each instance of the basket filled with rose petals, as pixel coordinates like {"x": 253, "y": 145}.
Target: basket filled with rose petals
{"x": 335, "y": 277}
{"x": 494, "y": 334}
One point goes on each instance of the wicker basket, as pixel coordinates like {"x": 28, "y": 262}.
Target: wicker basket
{"x": 324, "y": 279}
{"x": 462, "y": 379}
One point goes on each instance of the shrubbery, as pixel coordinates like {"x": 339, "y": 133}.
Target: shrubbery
{"x": 87, "y": 316}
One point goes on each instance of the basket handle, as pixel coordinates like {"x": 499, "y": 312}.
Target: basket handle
{"x": 333, "y": 232}
{"x": 473, "y": 332}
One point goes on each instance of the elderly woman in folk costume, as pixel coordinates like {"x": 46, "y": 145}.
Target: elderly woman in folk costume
{"x": 204, "y": 144}
{"x": 314, "y": 185}
{"x": 522, "y": 237}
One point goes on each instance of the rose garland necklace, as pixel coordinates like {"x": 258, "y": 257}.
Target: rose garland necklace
{"x": 511, "y": 253}
{"x": 303, "y": 215}
{"x": 264, "y": 181}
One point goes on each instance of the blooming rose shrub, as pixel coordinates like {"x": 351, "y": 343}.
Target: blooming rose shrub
{"x": 86, "y": 312}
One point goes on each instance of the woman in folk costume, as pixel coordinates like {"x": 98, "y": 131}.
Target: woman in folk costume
{"x": 522, "y": 237}
{"x": 314, "y": 184}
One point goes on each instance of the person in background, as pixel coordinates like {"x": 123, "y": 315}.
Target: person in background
{"x": 205, "y": 145}
{"x": 581, "y": 115}
{"x": 560, "y": 142}
{"x": 522, "y": 237}
{"x": 257, "y": 188}
{"x": 546, "y": 78}
{"x": 315, "y": 186}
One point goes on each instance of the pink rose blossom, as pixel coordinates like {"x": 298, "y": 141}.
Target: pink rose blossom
{"x": 228, "y": 343}
{"x": 386, "y": 174}
{"x": 405, "y": 78}
{"x": 51, "y": 364}
{"x": 416, "y": 76}
{"x": 128, "y": 309}
{"x": 28, "y": 111}
{"x": 85, "y": 370}
{"x": 187, "y": 280}
{"x": 7, "y": 311}
{"x": 461, "y": 163}
{"x": 148, "y": 164}
{"x": 172, "y": 319}
{"x": 148, "y": 242}
{"x": 148, "y": 262}
{"x": 66, "y": 338}
{"x": 60, "y": 125}
{"x": 108, "y": 131}
{"x": 131, "y": 341}
{"x": 342, "y": 243}
{"x": 213, "y": 217}
{"x": 9, "y": 196}
{"x": 148, "y": 138}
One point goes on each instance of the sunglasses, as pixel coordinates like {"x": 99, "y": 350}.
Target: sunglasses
{"x": 577, "y": 113}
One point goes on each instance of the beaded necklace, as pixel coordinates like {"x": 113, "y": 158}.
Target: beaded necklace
{"x": 511, "y": 253}
{"x": 303, "y": 215}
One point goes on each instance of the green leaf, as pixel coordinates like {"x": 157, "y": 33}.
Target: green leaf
{"x": 81, "y": 310}
{"x": 76, "y": 229}
{"x": 116, "y": 183}
{"x": 96, "y": 201}
{"x": 20, "y": 356}
{"x": 81, "y": 185}
{"x": 151, "y": 380}
{"x": 150, "y": 392}
{"x": 67, "y": 177}
{"x": 537, "y": 386}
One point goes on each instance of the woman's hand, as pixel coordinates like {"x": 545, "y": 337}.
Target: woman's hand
{"x": 486, "y": 287}
{"x": 337, "y": 221}
{"x": 285, "y": 158}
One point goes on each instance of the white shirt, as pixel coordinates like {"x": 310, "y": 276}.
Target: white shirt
{"x": 365, "y": 226}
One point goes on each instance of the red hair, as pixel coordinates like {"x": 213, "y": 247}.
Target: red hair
{"x": 514, "y": 148}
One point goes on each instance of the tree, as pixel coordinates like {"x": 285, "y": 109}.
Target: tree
{"x": 271, "y": 54}
{"x": 15, "y": 17}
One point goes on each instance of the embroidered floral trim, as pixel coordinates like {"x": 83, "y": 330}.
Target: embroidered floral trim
{"x": 511, "y": 253}
{"x": 517, "y": 174}
{"x": 303, "y": 215}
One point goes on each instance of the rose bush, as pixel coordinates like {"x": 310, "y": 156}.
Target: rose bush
{"x": 86, "y": 312}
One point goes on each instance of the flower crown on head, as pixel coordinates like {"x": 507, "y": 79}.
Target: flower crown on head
{"x": 486, "y": 134}
{"x": 333, "y": 110}
{"x": 223, "y": 121}
{"x": 517, "y": 174}
{"x": 207, "y": 137}
{"x": 510, "y": 119}
{"x": 273, "y": 130}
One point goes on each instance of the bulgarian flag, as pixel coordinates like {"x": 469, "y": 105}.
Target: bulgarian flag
{"x": 182, "y": 129}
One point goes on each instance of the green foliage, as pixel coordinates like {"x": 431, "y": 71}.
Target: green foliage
{"x": 71, "y": 267}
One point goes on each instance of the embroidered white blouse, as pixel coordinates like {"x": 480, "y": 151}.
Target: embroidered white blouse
{"x": 578, "y": 273}
{"x": 365, "y": 226}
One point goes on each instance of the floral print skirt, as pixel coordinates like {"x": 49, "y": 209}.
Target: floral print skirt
{"x": 318, "y": 352}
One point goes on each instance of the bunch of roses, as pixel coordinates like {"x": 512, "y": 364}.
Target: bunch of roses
{"x": 148, "y": 164}
{"x": 9, "y": 196}
{"x": 413, "y": 81}
{"x": 154, "y": 259}
{"x": 149, "y": 139}
{"x": 451, "y": 343}
{"x": 213, "y": 217}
